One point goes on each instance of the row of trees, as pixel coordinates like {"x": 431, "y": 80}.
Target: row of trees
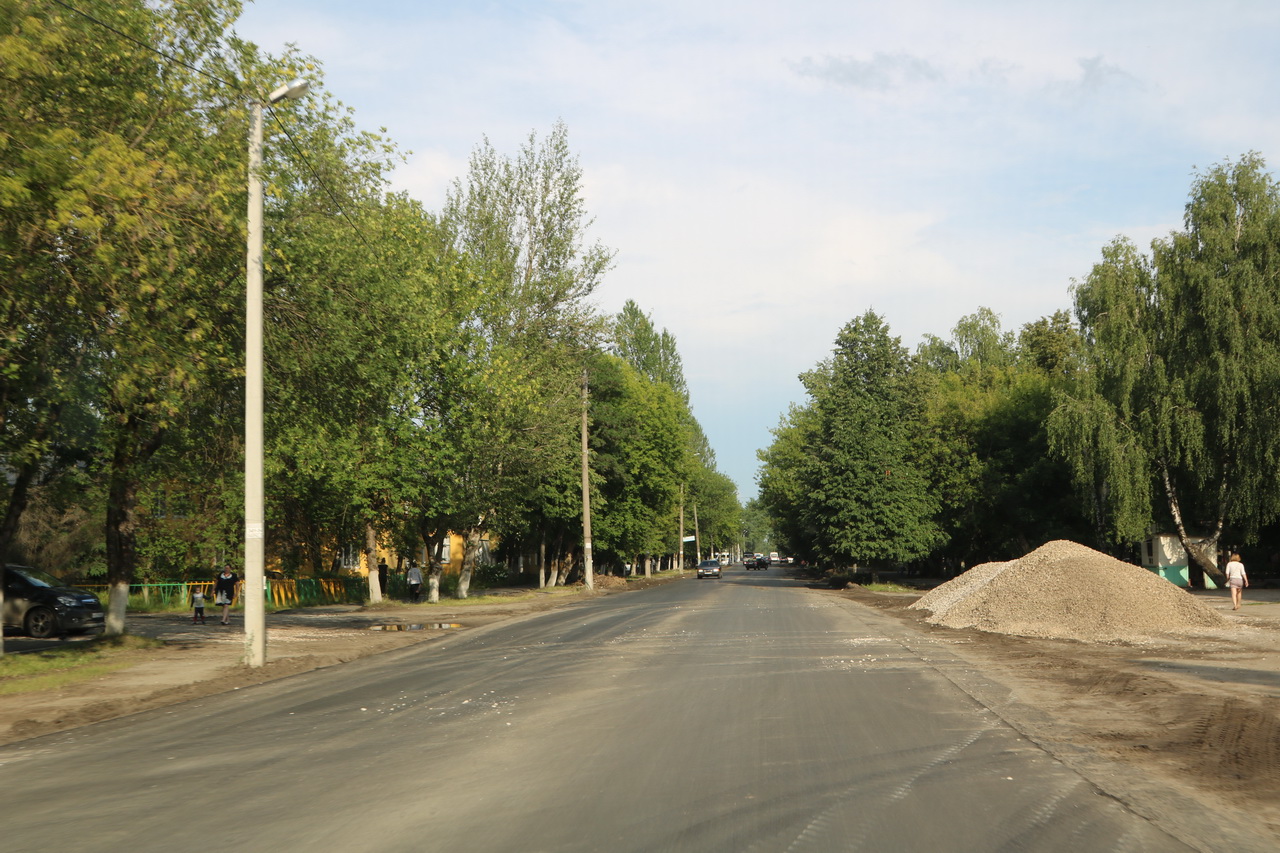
{"x": 1153, "y": 410}
{"x": 423, "y": 369}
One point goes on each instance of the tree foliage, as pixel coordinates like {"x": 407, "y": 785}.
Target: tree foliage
{"x": 1182, "y": 351}
{"x": 857, "y": 491}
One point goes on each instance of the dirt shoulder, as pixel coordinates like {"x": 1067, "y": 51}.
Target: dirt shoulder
{"x": 1182, "y": 728}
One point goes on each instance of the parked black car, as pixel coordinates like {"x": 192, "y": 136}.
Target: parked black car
{"x": 39, "y": 605}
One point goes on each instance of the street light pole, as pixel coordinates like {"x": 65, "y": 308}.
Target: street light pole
{"x": 587, "y": 568}
{"x": 255, "y": 610}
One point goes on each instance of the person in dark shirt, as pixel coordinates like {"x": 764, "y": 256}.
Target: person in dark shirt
{"x": 224, "y": 592}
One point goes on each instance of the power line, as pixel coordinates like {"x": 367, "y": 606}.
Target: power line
{"x": 319, "y": 180}
{"x": 145, "y": 46}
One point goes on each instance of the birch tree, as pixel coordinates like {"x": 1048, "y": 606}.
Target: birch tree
{"x": 1182, "y": 353}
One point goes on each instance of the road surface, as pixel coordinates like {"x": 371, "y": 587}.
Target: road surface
{"x": 741, "y": 714}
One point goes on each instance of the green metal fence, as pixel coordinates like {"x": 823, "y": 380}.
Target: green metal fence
{"x": 303, "y": 592}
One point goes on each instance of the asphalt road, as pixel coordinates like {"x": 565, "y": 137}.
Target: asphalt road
{"x": 744, "y": 714}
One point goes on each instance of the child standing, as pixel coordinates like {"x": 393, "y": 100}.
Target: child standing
{"x": 197, "y": 600}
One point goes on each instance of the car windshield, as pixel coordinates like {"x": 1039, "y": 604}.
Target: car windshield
{"x": 36, "y": 576}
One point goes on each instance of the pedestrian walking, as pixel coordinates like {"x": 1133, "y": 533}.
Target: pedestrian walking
{"x": 1237, "y": 580}
{"x": 197, "y": 602}
{"x": 224, "y": 592}
{"x": 383, "y": 571}
{"x": 414, "y": 579}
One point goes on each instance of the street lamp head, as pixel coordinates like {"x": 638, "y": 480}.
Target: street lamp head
{"x": 290, "y": 91}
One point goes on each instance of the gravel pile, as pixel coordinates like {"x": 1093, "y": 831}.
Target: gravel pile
{"x": 1068, "y": 591}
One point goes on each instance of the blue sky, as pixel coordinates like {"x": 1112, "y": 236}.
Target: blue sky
{"x": 767, "y": 171}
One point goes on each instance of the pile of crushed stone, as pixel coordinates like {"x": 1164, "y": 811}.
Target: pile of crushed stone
{"x": 1068, "y": 591}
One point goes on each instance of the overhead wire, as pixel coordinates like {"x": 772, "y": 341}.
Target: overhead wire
{"x": 324, "y": 185}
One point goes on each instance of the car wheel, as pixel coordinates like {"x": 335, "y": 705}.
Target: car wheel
{"x": 40, "y": 623}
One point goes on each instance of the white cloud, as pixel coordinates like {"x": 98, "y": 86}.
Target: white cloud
{"x": 767, "y": 171}
{"x": 880, "y": 73}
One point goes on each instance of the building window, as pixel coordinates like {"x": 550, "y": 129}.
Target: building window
{"x": 350, "y": 557}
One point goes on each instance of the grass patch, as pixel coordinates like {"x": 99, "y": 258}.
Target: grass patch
{"x": 890, "y": 587}
{"x": 52, "y": 669}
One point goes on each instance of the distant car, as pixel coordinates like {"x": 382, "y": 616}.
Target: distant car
{"x": 39, "y": 605}
{"x": 709, "y": 569}
{"x": 760, "y": 562}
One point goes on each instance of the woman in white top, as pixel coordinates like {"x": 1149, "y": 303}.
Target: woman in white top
{"x": 1237, "y": 580}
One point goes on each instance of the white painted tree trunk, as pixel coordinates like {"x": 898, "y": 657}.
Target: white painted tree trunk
{"x": 371, "y": 560}
{"x": 117, "y": 604}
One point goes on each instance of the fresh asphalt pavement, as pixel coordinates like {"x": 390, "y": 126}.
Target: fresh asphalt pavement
{"x": 741, "y": 714}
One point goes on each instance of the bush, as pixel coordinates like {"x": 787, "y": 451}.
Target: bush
{"x": 840, "y": 578}
{"x": 488, "y": 575}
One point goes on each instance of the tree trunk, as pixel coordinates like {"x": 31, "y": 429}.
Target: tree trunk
{"x": 435, "y": 570}
{"x": 468, "y": 562}
{"x": 132, "y": 450}
{"x": 371, "y": 560}
{"x": 1202, "y": 555}
{"x": 17, "y": 504}
{"x": 432, "y": 551}
{"x": 557, "y": 562}
{"x": 542, "y": 561}
{"x": 18, "y": 494}
{"x": 315, "y": 552}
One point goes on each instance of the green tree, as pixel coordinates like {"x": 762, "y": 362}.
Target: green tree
{"x": 757, "y": 530}
{"x": 1052, "y": 345}
{"x": 638, "y": 444}
{"x": 518, "y": 227}
{"x": 984, "y": 448}
{"x": 1181, "y": 353}
{"x": 865, "y": 483}
{"x": 653, "y": 353}
{"x": 844, "y": 478}
{"x": 784, "y": 490}
{"x": 119, "y": 219}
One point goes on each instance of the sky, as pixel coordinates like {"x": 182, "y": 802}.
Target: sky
{"x": 768, "y": 171}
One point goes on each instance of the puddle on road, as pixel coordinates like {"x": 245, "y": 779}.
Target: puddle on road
{"x": 424, "y": 626}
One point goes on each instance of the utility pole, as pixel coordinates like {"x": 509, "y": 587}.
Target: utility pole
{"x": 680, "y": 540}
{"x": 697, "y": 534}
{"x": 255, "y": 607}
{"x": 586, "y": 493}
